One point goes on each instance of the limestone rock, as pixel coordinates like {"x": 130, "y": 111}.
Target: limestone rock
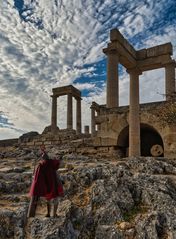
{"x": 130, "y": 198}
{"x": 28, "y": 136}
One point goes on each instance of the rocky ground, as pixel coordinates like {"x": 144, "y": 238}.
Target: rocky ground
{"x": 104, "y": 198}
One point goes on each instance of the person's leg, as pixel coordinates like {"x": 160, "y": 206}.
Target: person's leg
{"x": 55, "y": 202}
{"x": 48, "y": 208}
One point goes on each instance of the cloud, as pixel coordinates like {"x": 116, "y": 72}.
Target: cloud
{"x": 168, "y": 35}
{"x": 84, "y": 86}
{"x": 7, "y": 127}
{"x": 48, "y": 43}
{"x": 4, "y": 121}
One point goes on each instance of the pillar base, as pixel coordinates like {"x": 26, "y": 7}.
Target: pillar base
{"x": 49, "y": 129}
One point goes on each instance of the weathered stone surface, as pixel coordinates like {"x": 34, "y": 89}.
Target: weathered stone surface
{"x": 28, "y": 136}
{"x": 115, "y": 128}
{"x": 104, "y": 198}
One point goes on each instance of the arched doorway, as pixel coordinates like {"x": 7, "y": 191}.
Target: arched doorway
{"x": 151, "y": 141}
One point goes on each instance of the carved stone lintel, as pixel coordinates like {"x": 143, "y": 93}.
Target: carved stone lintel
{"x": 134, "y": 71}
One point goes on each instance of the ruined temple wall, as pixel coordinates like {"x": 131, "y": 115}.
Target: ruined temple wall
{"x": 167, "y": 132}
{"x": 112, "y": 124}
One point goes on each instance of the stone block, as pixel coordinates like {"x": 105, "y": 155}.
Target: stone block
{"x": 38, "y": 143}
{"x": 92, "y": 151}
{"x": 88, "y": 141}
{"x": 115, "y": 35}
{"x": 77, "y": 143}
{"x": 30, "y": 143}
{"x": 160, "y": 50}
{"x": 22, "y": 144}
{"x": 49, "y": 138}
{"x": 42, "y": 139}
{"x": 141, "y": 54}
{"x": 108, "y": 141}
{"x": 57, "y": 142}
{"x": 97, "y": 141}
{"x": 48, "y": 142}
{"x": 169, "y": 138}
{"x": 103, "y": 149}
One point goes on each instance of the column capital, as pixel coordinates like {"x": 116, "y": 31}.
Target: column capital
{"x": 110, "y": 51}
{"x": 134, "y": 71}
{"x": 171, "y": 63}
{"x": 54, "y": 96}
{"x": 77, "y": 98}
{"x": 94, "y": 106}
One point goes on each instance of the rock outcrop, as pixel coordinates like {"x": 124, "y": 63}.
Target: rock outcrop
{"x": 104, "y": 198}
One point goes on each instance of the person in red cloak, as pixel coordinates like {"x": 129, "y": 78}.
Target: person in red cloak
{"x": 45, "y": 184}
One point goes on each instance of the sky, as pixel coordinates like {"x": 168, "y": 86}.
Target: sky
{"x": 52, "y": 43}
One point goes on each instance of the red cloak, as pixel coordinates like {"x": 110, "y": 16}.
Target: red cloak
{"x": 45, "y": 183}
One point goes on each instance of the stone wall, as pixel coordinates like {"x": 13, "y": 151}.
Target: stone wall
{"x": 8, "y": 142}
{"x": 114, "y": 125}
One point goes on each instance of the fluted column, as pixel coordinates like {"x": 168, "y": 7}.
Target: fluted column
{"x": 112, "y": 91}
{"x": 93, "y": 132}
{"x": 170, "y": 80}
{"x": 54, "y": 113}
{"x": 69, "y": 112}
{"x": 78, "y": 116}
{"x": 134, "y": 117}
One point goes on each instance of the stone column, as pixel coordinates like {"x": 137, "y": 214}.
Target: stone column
{"x": 112, "y": 91}
{"x": 170, "y": 80}
{"x": 134, "y": 117}
{"x": 69, "y": 112}
{"x": 78, "y": 115}
{"x": 99, "y": 125}
{"x": 54, "y": 113}
{"x": 86, "y": 129}
{"x": 93, "y": 132}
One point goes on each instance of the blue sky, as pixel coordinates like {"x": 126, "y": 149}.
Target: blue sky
{"x": 51, "y": 43}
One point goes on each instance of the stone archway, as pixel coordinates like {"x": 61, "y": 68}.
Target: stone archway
{"x": 123, "y": 141}
{"x": 151, "y": 141}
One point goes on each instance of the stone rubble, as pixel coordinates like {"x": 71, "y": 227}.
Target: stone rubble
{"x": 104, "y": 198}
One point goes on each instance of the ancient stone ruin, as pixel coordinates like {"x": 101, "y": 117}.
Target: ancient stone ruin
{"x": 135, "y": 130}
{"x": 70, "y": 91}
{"x": 121, "y": 130}
{"x": 122, "y": 197}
